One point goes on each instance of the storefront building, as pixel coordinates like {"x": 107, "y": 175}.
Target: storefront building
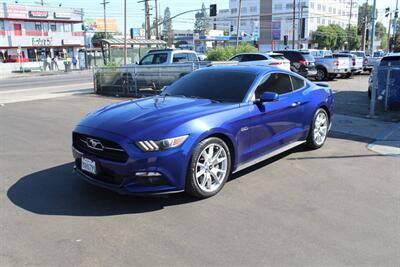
{"x": 31, "y": 33}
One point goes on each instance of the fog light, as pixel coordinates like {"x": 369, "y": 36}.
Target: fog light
{"x": 148, "y": 174}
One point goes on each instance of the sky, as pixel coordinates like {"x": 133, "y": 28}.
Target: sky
{"x": 93, "y": 9}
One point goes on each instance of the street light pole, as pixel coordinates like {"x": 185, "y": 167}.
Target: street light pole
{"x": 294, "y": 24}
{"x": 125, "y": 38}
{"x": 373, "y": 26}
{"x": 156, "y": 5}
{"x": 104, "y": 3}
{"x": 238, "y": 22}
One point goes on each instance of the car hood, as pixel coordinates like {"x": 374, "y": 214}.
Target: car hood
{"x": 145, "y": 117}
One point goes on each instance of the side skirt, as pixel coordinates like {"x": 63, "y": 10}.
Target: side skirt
{"x": 271, "y": 154}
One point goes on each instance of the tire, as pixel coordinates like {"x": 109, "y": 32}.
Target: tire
{"x": 348, "y": 75}
{"x": 331, "y": 77}
{"x": 318, "y": 130}
{"x": 321, "y": 75}
{"x": 205, "y": 178}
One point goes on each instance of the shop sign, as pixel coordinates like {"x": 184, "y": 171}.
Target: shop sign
{"x": 62, "y": 15}
{"x": 16, "y": 11}
{"x": 38, "y": 14}
{"x": 40, "y": 41}
{"x": 71, "y": 42}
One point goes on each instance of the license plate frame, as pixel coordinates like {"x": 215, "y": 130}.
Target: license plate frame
{"x": 88, "y": 165}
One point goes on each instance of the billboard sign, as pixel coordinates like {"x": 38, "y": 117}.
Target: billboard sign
{"x": 97, "y": 25}
{"x": 38, "y": 14}
{"x": 276, "y": 30}
{"x": 16, "y": 11}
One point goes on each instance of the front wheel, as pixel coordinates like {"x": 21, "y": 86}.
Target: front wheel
{"x": 209, "y": 168}
{"x": 321, "y": 74}
{"x": 318, "y": 130}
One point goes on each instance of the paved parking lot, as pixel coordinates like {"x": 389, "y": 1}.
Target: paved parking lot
{"x": 339, "y": 205}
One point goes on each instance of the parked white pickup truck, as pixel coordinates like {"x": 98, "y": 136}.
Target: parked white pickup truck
{"x": 329, "y": 66}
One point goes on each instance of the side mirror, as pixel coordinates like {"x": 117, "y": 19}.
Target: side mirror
{"x": 269, "y": 97}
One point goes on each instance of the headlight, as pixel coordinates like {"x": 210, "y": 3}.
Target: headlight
{"x": 164, "y": 144}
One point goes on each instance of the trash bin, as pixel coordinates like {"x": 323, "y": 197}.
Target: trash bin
{"x": 67, "y": 66}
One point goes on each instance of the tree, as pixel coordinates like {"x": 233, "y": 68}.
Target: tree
{"x": 381, "y": 34}
{"x": 354, "y": 40}
{"x": 325, "y": 37}
{"x": 202, "y": 23}
{"x": 98, "y": 36}
{"x": 397, "y": 38}
{"x": 167, "y": 31}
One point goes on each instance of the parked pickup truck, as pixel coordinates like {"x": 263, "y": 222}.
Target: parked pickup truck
{"x": 374, "y": 59}
{"x": 328, "y": 66}
{"x": 157, "y": 69}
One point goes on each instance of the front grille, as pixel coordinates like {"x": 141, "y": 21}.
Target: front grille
{"x": 103, "y": 174}
{"x": 106, "y": 149}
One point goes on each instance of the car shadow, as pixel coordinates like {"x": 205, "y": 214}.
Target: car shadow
{"x": 58, "y": 191}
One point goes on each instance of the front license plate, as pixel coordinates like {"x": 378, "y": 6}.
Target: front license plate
{"x": 88, "y": 165}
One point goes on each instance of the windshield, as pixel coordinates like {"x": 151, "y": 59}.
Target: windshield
{"x": 358, "y": 54}
{"x": 216, "y": 85}
{"x": 307, "y": 56}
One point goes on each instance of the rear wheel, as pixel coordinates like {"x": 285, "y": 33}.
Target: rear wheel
{"x": 318, "y": 130}
{"x": 321, "y": 75}
{"x": 209, "y": 168}
{"x": 348, "y": 75}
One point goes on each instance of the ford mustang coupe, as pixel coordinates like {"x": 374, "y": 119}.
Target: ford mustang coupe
{"x": 199, "y": 130}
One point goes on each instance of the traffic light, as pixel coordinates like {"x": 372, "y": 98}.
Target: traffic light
{"x": 285, "y": 40}
{"x": 213, "y": 10}
{"x": 231, "y": 30}
{"x": 387, "y": 12}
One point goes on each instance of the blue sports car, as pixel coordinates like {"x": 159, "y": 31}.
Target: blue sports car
{"x": 199, "y": 130}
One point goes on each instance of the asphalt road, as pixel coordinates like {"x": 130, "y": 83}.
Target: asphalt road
{"x": 36, "y": 81}
{"x": 335, "y": 206}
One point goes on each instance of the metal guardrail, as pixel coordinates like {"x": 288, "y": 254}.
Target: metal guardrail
{"x": 385, "y": 87}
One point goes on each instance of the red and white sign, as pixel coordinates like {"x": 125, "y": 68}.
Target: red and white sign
{"x": 16, "y": 11}
{"x": 38, "y": 14}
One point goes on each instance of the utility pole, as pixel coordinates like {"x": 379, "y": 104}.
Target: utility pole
{"x": 294, "y": 24}
{"x": 42, "y": 2}
{"x": 396, "y": 15}
{"x": 125, "y": 38}
{"x": 156, "y": 19}
{"x": 238, "y": 22}
{"x": 390, "y": 24}
{"x": 104, "y": 3}
{"x": 349, "y": 28}
{"x": 148, "y": 26}
{"x": 364, "y": 32}
{"x": 373, "y": 26}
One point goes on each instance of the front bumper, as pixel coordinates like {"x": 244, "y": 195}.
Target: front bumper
{"x": 124, "y": 178}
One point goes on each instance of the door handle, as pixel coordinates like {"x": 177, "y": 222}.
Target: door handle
{"x": 295, "y": 104}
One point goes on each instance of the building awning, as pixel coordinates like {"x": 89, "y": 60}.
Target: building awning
{"x": 120, "y": 41}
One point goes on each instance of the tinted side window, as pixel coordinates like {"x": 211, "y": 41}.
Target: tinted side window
{"x": 237, "y": 58}
{"x": 192, "y": 57}
{"x": 246, "y": 58}
{"x": 297, "y": 83}
{"x": 160, "y": 58}
{"x": 179, "y": 58}
{"x": 147, "y": 60}
{"x": 258, "y": 57}
{"x": 277, "y": 82}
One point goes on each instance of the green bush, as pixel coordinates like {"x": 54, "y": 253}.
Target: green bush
{"x": 224, "y": 53}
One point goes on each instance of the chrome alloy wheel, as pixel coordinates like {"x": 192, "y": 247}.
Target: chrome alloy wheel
{"x": 211, "y": 168}
{"x": 320, "y": 128}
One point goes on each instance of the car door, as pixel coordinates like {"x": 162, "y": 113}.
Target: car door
{"x": 276, "y": 124}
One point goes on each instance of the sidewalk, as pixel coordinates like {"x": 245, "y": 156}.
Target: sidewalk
{"x": 40, "y": 74}
{"x": 384, "y": 137}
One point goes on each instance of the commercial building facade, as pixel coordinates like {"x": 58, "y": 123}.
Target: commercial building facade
{"x": 269, "y": 21}
{"x": 32, "y": 32}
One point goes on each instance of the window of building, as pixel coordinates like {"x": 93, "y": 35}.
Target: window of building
{"x": 244, "y": 9}
{"x": 38, "y": 26}
{"x": 289, "y": 6}
{"x": 253, "y": 9}
{"x": 53, "y": 27}
{"x": 312, "y": 5}
{"x": 323, "y": 21}
{"x": 29, "y": 26}
{"x": 278, "y": 6}
{"x": 323, "y": 8}
{"x": 234, "y": 10}
{"x": 2, "y": 25}
{"x": 67, "y": 27}
{"x": 319, "y": 7}
{"x": 60, "y": 27}
{"x": 318, "y": 20}
{"x": 330, "y": 9}
{"x": 45, "y": 26}
{"x": 334, "y": 10}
